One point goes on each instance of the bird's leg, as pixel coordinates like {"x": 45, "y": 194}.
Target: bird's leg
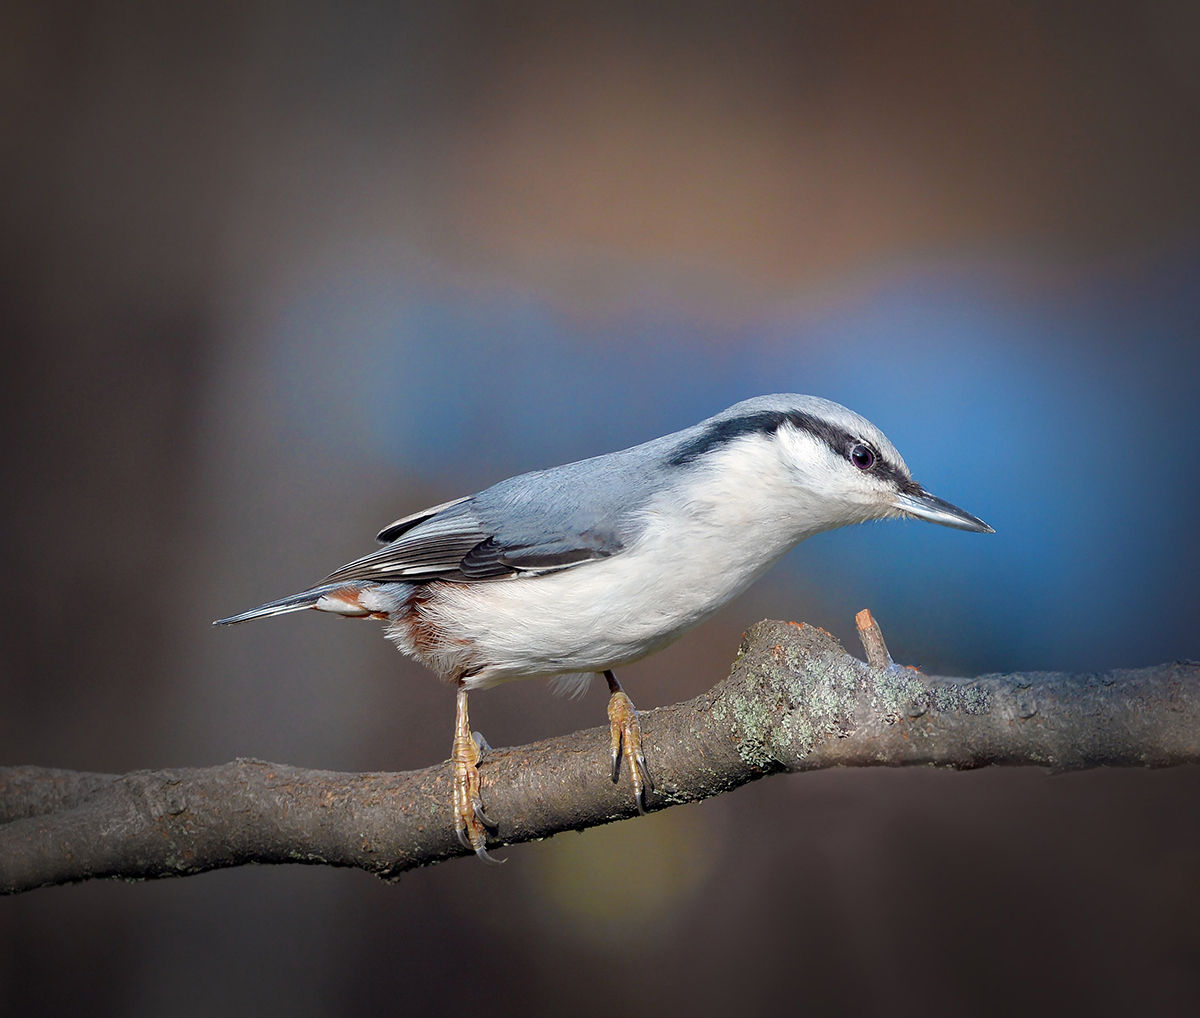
{"x": 470, "y": 821}
{"x": 627, "y": 741}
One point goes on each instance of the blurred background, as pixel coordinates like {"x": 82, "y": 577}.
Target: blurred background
{"x": 273, "y": 275}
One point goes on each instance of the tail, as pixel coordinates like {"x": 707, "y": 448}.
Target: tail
{"x": 294, "y": 603}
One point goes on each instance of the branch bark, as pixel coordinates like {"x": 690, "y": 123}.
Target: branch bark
{"x": 794, "y": 701}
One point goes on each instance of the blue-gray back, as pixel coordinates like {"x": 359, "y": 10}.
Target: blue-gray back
{"x": 555, "y": 518}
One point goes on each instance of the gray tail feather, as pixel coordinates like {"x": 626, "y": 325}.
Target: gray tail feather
{"x": 294, "y": 603}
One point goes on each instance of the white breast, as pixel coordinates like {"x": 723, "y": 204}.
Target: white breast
{"x": 701, "y": 546}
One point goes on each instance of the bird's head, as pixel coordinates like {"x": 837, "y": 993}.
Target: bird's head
{"x": 832, "y": 465}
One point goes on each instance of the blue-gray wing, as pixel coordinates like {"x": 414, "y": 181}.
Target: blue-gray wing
{"x": 462, "y": 548}
{"x": 534, "y": 523}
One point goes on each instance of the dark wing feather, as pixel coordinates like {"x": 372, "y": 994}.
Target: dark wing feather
{"x": 493, "y": 558}
{"x": 402, "y": 526}
{"x": 452, "y": 543}
{"x": 426, "y": 552}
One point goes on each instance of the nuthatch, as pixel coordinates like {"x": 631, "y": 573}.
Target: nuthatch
{"x": 582, "y": 568}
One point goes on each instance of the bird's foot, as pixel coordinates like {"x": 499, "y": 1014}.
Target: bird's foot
{"x": 627, "y": 742}
{"x": 471, "y": 823}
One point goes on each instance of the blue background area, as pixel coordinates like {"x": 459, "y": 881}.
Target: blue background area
{"x": 1063, "y": 413}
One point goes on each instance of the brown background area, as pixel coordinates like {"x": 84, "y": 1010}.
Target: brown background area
{"x": 169, "y": 169}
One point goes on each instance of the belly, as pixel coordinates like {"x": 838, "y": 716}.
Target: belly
{"x": 598, "y": 615}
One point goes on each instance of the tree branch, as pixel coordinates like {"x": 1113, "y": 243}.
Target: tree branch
{"x": 794, "y": 701}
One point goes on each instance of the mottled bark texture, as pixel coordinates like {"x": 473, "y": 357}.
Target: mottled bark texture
{"x": 794, "y": 701}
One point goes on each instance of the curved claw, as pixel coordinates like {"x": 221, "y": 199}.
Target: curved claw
{"x": 491, "y": 860}
{"x": 483, "y": 818}
{"x": 644, "y": 769}
{"x": 645, "y": 784}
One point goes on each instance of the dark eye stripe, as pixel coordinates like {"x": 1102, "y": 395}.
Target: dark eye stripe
{"x": 762, "y": 422}
{"x": 767, "y": 422}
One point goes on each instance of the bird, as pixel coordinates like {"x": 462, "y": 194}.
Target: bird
{"x": 580, "y": 569}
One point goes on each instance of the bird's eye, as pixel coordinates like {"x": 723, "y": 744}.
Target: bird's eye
{"x": 863, "y": 457}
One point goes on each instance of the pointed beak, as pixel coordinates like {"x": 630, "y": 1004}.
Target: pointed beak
{"x": 924, "y": 506}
